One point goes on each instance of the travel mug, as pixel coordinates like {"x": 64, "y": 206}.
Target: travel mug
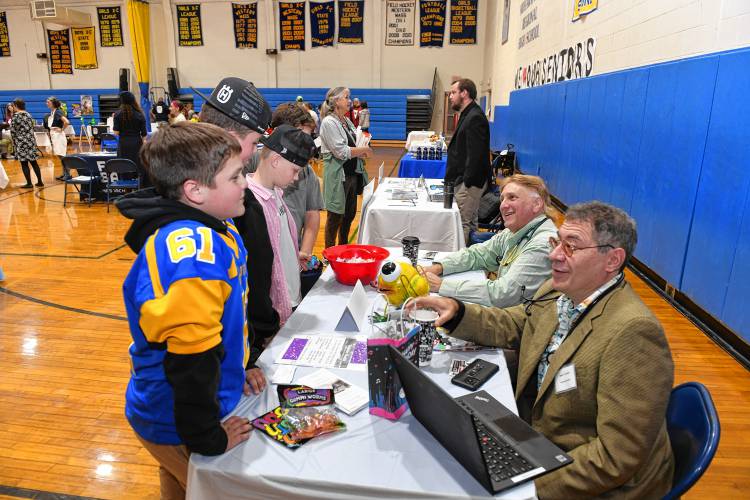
{"x": 411, "y": 249}
{"x": 448, "y": 195}
{"x": 427, "y": 333}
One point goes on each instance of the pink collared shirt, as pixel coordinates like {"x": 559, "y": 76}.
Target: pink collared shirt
{"x": 279, "y": 293}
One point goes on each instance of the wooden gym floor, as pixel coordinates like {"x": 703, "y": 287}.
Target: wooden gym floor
{"x": 64, "y": 362}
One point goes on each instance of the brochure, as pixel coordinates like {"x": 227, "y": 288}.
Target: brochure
{"x": 348, "y": 397}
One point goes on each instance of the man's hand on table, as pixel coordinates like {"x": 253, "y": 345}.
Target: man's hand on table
{"x": 237, "y": 429}
{"x": 434, "y": 280}
{"x": 444, "y": 306}
{"x": 255, "y": 381}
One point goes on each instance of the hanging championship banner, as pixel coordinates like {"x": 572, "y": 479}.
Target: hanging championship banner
{"x": 292, "y": 25}
{"x": 4, "y": 37}
{"x": 399, "y": 22}
{"x": 189, "y": 25}
{"x": 245, "y": 18}
{"x": 59, "y": 52}
{"x": 110, "y": 26}
{"x": 431, "y": 23}
{"x": 351, "y": 21}
{"x": 84, "y": 48}
{"x": 463, "y": 22}
{"x": 322, "y": 24}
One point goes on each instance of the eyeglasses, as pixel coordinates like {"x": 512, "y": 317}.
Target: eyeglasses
{"x": 569, "y": 249}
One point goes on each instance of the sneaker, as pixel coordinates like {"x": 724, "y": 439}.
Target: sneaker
{"x": 39, "y": 184}
{"x": 26, "y": 186}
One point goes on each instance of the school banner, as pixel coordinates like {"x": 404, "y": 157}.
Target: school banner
{"x": 463, "y": 22}
{"x": 431, "y": 23}
{"x": 245, "y": 17}
{"x": 322, "y": 23}
{"x": 110, "y": 26}
{"x": 84, "y": 48}
{"x": 189, "y": 25}
{"x": 351, "y": 21}
{"x": 4, "y": 37}
{"x": 399, "y": 22}
{"x": 292, "y": 25}
{"x": 583, "y": 7}
{"x": 59, "y": 52}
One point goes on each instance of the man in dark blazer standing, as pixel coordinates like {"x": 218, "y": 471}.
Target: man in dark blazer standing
{"x": 468, "y": 166}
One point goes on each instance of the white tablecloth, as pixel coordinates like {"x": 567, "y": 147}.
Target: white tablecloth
{"x": 373, "y": 458}
{"x": 385, "y": 222}
{"x": 417, "y": 136}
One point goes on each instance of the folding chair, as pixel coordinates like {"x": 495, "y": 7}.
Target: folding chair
{"x": 109, "y": 142}
{"x": 85, "y": 176}
{"x": 121, "y": 173}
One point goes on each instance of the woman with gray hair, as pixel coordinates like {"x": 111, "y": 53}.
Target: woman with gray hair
{"x": 344, "y": 175}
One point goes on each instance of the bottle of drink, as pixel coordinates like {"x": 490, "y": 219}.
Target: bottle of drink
{"x": 419, "y": 153}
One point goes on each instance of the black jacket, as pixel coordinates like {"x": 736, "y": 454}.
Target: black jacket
{"x": 469, "y": 149}
{"x": 262, "y": 318}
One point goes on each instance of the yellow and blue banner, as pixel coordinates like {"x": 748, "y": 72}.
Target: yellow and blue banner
{"x": 292, "y": 25}
{"x": 583, "y": 7}
{"x": 431, "y": 23}
{"x": 351, "y": 21}
{"x": 110, "y": 26}
{"x": 322, "y": 23}
{"x": 60, "y": 59}
{"x": 245, "y": 19}
{"x": 84, "y": 48}
{"x": 4, "y": 37}
{"x": 463, "y": 22}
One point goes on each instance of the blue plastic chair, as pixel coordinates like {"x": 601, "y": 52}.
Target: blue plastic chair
{"x": 694, "y": 431}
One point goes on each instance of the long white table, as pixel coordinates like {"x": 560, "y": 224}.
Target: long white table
{"x": 385, "y": 221}
{"x": 374, "y": 458}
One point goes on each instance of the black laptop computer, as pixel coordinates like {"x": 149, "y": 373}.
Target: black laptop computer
{"x": 497, "y": 447}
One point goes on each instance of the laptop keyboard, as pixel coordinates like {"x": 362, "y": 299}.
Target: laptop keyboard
{"x": 503, "y": 461}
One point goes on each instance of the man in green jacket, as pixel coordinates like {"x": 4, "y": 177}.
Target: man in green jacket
{"x": 519, "y": 254}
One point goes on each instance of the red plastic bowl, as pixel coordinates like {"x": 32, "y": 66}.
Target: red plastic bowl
{"x": 347, "y": 273}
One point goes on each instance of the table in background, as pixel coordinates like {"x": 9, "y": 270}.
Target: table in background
{"x": 97, "y": 159}
{"x": 384, "y": 222}
{"x": 432, "y": 169}
{"x": 373, "y": 458}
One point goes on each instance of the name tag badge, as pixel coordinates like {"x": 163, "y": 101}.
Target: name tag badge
{"x": 565, "y": 380}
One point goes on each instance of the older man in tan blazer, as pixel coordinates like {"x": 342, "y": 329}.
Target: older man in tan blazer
{"x": 595, "y": 370}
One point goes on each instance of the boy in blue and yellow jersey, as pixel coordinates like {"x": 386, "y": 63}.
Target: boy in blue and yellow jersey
{"x": 186, "y": 300}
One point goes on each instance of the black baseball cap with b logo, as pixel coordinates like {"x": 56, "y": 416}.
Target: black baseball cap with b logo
{"x": 240, "y": 100}
{"x": 291, "y": 143}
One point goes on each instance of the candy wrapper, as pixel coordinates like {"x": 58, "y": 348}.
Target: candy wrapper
{"x": 309, "y": 422}
{"x": 296, "y": 396}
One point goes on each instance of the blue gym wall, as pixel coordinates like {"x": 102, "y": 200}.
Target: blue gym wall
{"x": 669, "y": 144}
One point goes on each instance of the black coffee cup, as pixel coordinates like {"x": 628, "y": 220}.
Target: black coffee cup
{"x": 448, "y": 195}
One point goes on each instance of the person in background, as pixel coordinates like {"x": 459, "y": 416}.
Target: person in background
{"x": 595, "y": 371}
{"x": 519, "y": 254}
{"x": 354, "y": 110}
{"x": 56, "y": 123}
{"x": 176, "y": 112}
{"x": 130, "y": 124}
{"x": 6, "y": 145}
{"x": 190, "y": 113}
{"x": 364, "y": 117}
{"x": 468, "y": 165}
{"x": 24, "y": 143}
{"x": 270, "y": 225}
{"x": 315, "y": 117}
{"x": 189, "y": 356}
{"x": 344, "y": 175}
{"x": 160, "y": 112}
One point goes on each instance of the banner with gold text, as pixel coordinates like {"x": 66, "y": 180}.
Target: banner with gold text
{"x": 463, "y": 22}
{"x": 351, "y": 21}
{"x": 84, "y": 48}
{"x": 399, "y": 22}
{"x": 4, "y": 36}
{"x": 583, "y": 7}
{"x": 59, "y": 52}
{"x": 110, "y": 26}
{"x": 292, "y": 25}
{"x": 245, "y": 18}
{"x": 322, "y": 23}
{"x": 189, "y": 25}
{"x": 431, "y": 23}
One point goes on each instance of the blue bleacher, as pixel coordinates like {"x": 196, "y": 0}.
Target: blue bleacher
{"x": 387, "y": 106}
{"x": 36, "y": 100}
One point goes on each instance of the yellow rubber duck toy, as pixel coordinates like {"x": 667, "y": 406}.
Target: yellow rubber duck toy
{"x": 399, "y": 280}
